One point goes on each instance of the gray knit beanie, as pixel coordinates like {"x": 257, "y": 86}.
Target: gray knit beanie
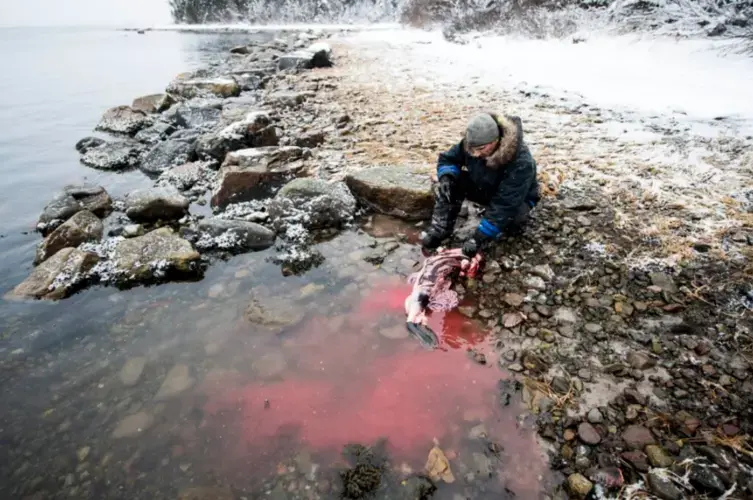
{"x": 482, "y": 129}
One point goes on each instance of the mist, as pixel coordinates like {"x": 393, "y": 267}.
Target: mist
{"x": 84, "y": 12}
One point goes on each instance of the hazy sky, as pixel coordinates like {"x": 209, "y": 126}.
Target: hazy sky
{"x": 79, "y": 12}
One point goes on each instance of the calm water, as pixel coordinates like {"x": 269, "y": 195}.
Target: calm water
{"x": 144, "y": 393}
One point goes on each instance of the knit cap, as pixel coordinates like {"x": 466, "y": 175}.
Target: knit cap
{"x": 482, "y": 129}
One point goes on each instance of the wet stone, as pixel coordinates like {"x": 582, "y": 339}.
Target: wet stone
{"x": 705, "y": 480}
{"x": 133, "y": 425}
{"x": 177, "y": 381}
{"x": 663, "y": 487}
{"x": 394, "y": 332}
{"x": 579, "y": 486}
{"x": 637, "y": 459}
{"x": 207, "y": 493}
{"x": 637, "y": 437}
{"x": 595, "y": 416}
{"x": 588, "y": 434}
{"x": 132, "y": 370}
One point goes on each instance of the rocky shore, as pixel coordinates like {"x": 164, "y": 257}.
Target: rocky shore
{"x": 622, "y": 315}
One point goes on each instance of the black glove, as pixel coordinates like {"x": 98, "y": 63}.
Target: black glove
{"x": 444, "y": 190}
{"x": 479, "y": 241}
{"x": 431, "y": 239}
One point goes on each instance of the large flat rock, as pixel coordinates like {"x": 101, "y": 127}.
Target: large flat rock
{"x": 403, "y": 192}
{"x": 55, "y": 278}
{"x": 117, "y": 155}
{"x": 123, "y": 120}
{"x": 250, "y": 172}
{"x": 314, "y": 203}
{"x": 153, "y": 204}
{"x": 233, "y": 234}
{"x": 147, "y": 257}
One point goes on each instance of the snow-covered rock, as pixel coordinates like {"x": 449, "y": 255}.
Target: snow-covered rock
{"x": 82, "y": 227}
{"x": 313, "y": 203}
{"x": 71, "y": 200}
{"x": 123, "y": 120}
{"x": 57, "y": 277}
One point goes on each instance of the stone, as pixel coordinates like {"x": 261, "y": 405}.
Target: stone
{"x": 544, "y": 272}
{"x": 176, "y": 381}
{"x": 132, "y": 370}
{"x": 534, "y": 283}
{"x": 394, "y": 332}
{"x": 88, "y": 143}
{"x": 516, "y": 367}
{"x": 310, "y": 139}
{"x": 637, "y": 437}
{"x": 254, "y": 130}
{"x": 567, "y": 331}
{"x": 315, "y": 203}
{"x": 83, "y": 453}
{"x": 578, "y": 486}
{"x": 195, "y": 116}
{"x": 133, "y": 425}
{"x": 663, "y": 487}
{"x": 565, "y": 315}
{"x": 186, "y": 176}
{"x": 513, "y": 299}
{"x": 158, "y": 131}
{"x": 153, "y": 204}
{"x": 595, "y": 416}
{"x": 71, "y": 200}
{"x": 233, "y": 234}
{"x": 705, "y": 480}
{"x": 637, "y": 459}
{"x": 249, "y": 173}
{"x": 584, "y": 374}
{"x": 400, "y": 191}
{"x": 592, "y": 328}
{"x": 82, "y": 227}
{"x": 569, "y": 434}
{"x": 203, "y": 87}
{"x": 588, "y": 434}
{"x": 663, "y": 281}
{"x": 116, "y": 155}
{"x": 132, "y": 231}
{"x": 122, "y": 120}
{"x": 286, "y": 99}
{"x": 167, "y": 154}
{"x": 657, "y": 456}
{"x": 269, "y": 364}
{"x": 318, "y": 55}
{"x": 640, "y": 360}
{"x": 150, "y": 256}
{"x": 56, "y": 277}
{"x": 154, "y": 103}
{"x": 272, "y": 315}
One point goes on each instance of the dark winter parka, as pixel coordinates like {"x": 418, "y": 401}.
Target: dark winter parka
{"x": 503, "y": 181}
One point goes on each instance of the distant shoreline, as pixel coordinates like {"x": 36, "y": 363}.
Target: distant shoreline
{"x": 255, "y": 28}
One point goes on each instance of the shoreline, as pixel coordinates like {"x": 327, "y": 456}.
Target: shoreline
{"x": 611, "y": 341}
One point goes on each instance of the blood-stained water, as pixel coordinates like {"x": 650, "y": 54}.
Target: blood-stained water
{"x": 360, "y": 377}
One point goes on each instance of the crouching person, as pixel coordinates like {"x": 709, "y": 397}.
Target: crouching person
{"x": 493, "y": 167}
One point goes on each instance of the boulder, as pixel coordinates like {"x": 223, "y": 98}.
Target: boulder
{"x": 313, "y": 202}
{"x": 122, "y": 120}
{"x": 152, "y": 255}
{"x": 226, "y": 234}
{"x": 286, "y": 99}
{"x": 200, "y": 115}
{"x": 310, "y": 139}
{"x": 82, "y": 227}
{"x": 56, "y": 277}
{"x": 167, "y": 154}
{"x": 88, "y": 143}
{"x": 403, "y": 192}
{"x": 318, "y": 55}
{"x": 186, "y": 176}
{"x": 248, "y": 172}
{"x": 153, "y": 204}
{"x": 155, "y": 103}
{"x": 119, "y": 155}
{"x": 198, "y": 87}
{"x": 71, "y": 200}
{"x": 159, "y": 131}
{"x": 255, "y": 130}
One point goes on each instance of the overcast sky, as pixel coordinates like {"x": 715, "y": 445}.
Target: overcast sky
{"x": 83, "y": 12}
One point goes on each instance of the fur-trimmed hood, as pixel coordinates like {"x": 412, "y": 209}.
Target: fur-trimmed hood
{"x": 511, "y": 134}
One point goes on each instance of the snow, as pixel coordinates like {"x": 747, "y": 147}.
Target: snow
{"x": 245, "y": 28}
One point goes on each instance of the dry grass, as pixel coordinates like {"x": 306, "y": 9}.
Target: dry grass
{"x": 545, "y": 389}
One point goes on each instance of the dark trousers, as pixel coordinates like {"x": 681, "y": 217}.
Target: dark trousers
{"x": 445, "y": 214}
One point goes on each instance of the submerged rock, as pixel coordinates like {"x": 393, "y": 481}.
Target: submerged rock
{"x": 166, "y": 155}
{"x": 56, "y": 277}
{"x": 228, "y": 234}
{"x": 133, "y": 425}
{"x": 314, "y": 203}
{"x": 118, "y": 155}
{"x": 177, "y": 380}
{"x": 318, "y": 55}
{"x": 155, "y": 103}
{"x": 71, "y": 200}
{"x": 152, "y": 256}
{"x": 122, "y": 120}
{"x": 403, "y": 192}
{"x": 153, "y": 204}
{"x": 272, "y": 315}
{"x": 207, "y": 493}
{"x": 249, "y": 172}
{"x": 88, "y": 143}
{"x": 191, "y": 88}
{"x": 196, "y": 115}
{"x": 82, "y": 227}
{"x": 255, "y": 130}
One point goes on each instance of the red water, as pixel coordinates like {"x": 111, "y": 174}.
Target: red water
{"x": 351, "y": 384}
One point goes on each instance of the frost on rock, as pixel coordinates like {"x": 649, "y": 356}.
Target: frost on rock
{"x": 313, "y": 203}
{"x": 225, "y": 241}
{"x": 295, "y": 252}
{"x": 190, "y": 175}
{"x": 252, "y": 211}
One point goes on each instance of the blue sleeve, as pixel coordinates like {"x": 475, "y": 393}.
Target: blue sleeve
{"x": 450, "y": 162}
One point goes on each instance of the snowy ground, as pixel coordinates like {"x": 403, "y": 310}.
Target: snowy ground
{"x": 661, "y": 127}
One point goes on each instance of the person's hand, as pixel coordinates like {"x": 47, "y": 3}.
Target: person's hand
{"x": 444, "y": 190}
